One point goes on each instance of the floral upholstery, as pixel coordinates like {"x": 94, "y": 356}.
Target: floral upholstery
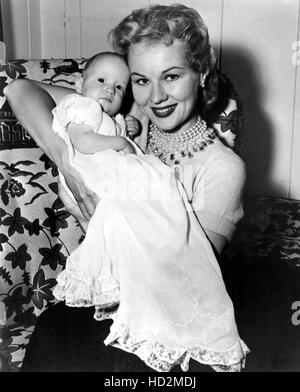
{"x": 37, "y": 233}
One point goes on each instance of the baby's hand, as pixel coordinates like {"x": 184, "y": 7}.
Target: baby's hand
{"x": 128, "y": 148}
{"x": 133, "y": 126}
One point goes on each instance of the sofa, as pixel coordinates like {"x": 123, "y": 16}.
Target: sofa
{"x": 37, "y": 233}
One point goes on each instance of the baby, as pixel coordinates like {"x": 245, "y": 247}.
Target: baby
{"x": 88, "y": 120}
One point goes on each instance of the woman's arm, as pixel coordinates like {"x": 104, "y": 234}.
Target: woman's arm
{"x": 32, "y": 105}
{"x": 217, "y": 199}
{"x": 56, "y": 92}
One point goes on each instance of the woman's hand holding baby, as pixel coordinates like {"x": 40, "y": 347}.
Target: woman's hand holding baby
{"x": 87, "y": 199}
{"x": 72, "y": 207}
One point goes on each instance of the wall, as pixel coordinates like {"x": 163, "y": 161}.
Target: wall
{"x": 258, "y": 45}
{"x": 257, "y": 54}
{"x": 22, "y": 28}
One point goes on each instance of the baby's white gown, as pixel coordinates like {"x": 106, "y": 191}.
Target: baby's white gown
{"x": 145, "y": 250}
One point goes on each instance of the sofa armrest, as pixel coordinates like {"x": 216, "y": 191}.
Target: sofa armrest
{"x": 37, "y": 233}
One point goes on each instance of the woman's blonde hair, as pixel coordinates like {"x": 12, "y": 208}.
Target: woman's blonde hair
{"x": 159, "y": 23}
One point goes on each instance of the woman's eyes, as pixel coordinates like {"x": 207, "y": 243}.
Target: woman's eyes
{"x": 141, "y": 82}
{"x": 171, "y": 77}
{"x": 101, "y": 80}
{"x": 167, "y": 77}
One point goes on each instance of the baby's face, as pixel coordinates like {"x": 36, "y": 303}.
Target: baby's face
{"x": 105, "y": 81}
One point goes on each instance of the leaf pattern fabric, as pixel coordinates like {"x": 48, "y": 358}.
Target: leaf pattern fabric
{"x": 36, "y": 236}
{"x": 36, "y": 232}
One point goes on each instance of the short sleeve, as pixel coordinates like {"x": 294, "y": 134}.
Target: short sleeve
{"x": 79, "y": 110}
{"x": 217, "y": 197}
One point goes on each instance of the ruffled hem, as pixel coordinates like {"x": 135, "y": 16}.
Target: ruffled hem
{"x": 162, "y": 359}
{"x": 79, "y": 290}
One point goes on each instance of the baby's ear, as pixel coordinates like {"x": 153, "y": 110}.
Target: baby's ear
{"x": 78, "y": 84}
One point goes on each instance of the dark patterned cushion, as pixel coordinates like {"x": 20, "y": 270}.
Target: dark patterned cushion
{"x": 271, "y": 226}
{"x": 36, "y": 232}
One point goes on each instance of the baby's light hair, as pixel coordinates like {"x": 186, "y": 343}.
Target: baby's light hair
{"x": 99, "y": 56}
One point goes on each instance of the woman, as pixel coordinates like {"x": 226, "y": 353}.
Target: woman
{"x": 172, "y": 73}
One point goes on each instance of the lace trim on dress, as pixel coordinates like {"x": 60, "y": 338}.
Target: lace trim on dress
{"x": 104, "y": 314}
{"x": 79, "y": 290}
{"x": 162, "y": 359}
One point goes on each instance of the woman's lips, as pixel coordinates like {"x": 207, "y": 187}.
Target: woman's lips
{"x": 164, "y": 111}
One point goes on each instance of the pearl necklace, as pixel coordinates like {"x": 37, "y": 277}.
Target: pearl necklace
{"x": 174, "y": 146}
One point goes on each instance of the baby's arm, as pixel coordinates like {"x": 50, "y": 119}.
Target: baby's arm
{"x": 133, "y": 126}
{"x": 88, "y": 142}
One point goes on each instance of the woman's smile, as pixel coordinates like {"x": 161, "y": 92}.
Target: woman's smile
{"x": 163, "y": 111}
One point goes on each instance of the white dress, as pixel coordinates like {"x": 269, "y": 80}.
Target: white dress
{"x": 145, "y": 251}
